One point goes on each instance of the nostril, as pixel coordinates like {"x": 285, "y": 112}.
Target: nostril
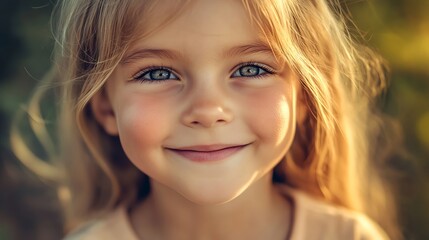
{"x": 208, "y": 122}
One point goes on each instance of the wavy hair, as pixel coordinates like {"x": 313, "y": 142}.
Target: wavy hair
{"x": 330, "y": 157}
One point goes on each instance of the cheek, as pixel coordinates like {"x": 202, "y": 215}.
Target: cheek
{"x": 143, "y": 123}
{"x": 270, "y": 115}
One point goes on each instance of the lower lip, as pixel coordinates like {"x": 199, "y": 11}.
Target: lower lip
{"x": 209, "y": 156}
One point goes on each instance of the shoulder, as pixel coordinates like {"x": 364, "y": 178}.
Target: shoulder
{"x": 86, "y": 231}
{"x": 112, "y": 227}
{"x": 366, "y": 229}
{"x": 316, "y": 219}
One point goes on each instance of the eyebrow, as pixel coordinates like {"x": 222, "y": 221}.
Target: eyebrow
{"x": 253, "y": 48}
{"x": 147, "y": 53}
{"x": 257, "y": 47}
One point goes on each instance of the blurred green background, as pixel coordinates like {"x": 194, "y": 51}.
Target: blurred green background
{"x": 398, "y": 29}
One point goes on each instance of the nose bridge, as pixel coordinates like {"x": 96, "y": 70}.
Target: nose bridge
{"x": 207, "y": 93}
{"x": 207, "y": 105}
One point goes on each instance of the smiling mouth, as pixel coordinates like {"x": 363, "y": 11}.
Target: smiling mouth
{"x": 208, "y": 153}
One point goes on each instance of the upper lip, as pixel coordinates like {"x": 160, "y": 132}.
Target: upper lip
{"x": 207, "y": 148}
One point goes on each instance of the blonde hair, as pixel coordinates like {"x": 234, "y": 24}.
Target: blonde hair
{"x": 330, "y": 157}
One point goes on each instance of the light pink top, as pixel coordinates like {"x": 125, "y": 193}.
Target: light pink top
{"x": 313, "y": 220}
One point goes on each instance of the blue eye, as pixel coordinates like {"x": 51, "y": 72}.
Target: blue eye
{"x": 155, "y": 74}
{"x": 252, "y": 70}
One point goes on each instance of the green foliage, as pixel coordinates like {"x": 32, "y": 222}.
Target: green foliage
{"x": 399, "y": 30}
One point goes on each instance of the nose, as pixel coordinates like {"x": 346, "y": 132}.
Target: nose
{"x": 207, "y": 108}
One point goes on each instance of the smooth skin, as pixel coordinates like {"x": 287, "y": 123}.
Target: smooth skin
{"x": 204, "y": 79}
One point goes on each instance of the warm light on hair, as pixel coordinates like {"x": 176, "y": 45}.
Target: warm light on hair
{"x": 330, "y": 156}
{"x": 340, "y": 78}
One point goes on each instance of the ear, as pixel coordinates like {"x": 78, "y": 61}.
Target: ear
{"x": 103, "y": 112}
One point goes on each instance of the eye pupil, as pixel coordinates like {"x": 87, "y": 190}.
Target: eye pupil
{"x": 249, "y": 71}
{"x": 159, "y": 74}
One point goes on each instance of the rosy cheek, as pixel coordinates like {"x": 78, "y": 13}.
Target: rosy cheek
{"x": 269, "y": 114}
{"x": 143, "y": 122}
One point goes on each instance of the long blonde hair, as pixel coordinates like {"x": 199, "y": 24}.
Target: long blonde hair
{"x": 330, "y": 157}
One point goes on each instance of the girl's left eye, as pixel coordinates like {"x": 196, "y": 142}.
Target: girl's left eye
{"x": 155, "y": 74}
{"x": 251, "y": 70}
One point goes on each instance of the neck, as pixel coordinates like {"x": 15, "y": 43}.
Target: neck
{"x": 261, "y": 212}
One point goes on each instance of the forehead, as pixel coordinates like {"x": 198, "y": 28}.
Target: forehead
{"x": 195, "y": 23}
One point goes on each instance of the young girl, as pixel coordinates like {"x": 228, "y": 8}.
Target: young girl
{"x": 218, "y": 119}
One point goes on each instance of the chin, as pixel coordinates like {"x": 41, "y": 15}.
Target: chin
{"x": 213, "y": 195}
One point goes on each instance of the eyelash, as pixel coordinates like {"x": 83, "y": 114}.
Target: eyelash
{"x": 140, "y": 75}
{"x": 266, "y": 69}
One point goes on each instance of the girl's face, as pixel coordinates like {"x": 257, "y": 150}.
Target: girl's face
{"x": 201, "y": 105}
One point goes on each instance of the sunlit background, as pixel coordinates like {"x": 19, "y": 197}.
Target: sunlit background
{"x": 398, "y": 29}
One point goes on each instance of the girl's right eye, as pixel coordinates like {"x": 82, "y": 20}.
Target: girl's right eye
{"x": 155, "y": 74}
